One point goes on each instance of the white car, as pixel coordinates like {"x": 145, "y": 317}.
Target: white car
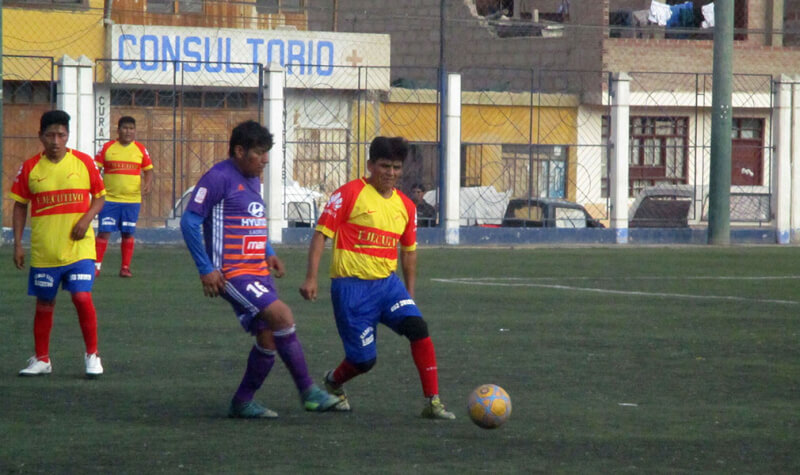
{"x": 300, "y": 206}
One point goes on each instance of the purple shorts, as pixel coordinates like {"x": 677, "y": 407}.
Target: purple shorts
{"x": 249, "y": 295}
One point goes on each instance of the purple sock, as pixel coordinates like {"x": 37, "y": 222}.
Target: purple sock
{"x": 291, "y": 352}
{"x": 259, "y": 363}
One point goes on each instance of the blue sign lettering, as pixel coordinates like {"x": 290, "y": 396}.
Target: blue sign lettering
{"x": 170, "y": 52}
{"x": 188, "y": 41}
{"x": 217, "y": 54}
{"x": 127, "y": 66}
{"x": 151, "y": 65}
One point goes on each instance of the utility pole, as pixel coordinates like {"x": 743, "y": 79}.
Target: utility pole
{"x": 442, "y": 117}
{"x": 2, "y": 128}
{"x": 719, "y": 211}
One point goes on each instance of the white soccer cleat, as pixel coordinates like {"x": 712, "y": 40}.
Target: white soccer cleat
{"x": 93, "y": 366}
{"x": 36, "y": 367}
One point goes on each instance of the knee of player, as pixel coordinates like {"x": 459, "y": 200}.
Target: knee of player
{"x": 413, "y": 328}
{"x": 365, "y": 366}
{"x": 81, "y": 297}
{"x": 278, "y": 315}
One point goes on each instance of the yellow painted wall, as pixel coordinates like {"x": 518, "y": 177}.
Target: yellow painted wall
{"x": 487, "y": 122}
{"x": 52, "y": 32}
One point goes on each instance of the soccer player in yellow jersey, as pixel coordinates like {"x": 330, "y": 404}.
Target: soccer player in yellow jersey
{"x": 367, "y": 219}
{"x": 127, "y": 173}
{"x": 65, "y": 192}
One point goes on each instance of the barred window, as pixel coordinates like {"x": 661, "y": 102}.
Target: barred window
{"x": 321, "y": 158}
{"x": 26, "y": 92}
{"x": 658, "y": 152}
{"x": 34, "y": 3}
{"x": 276, "y": 6}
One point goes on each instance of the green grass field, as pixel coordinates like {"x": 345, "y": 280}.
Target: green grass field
{"x": 648, "y": 360}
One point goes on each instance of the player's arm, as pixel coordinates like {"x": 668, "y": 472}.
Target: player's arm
{"x": 276, "y": 266}
{"x": 18, "y": 222}
{"x": 408, "y": 260}
{"x": 79, "y": 230}
{"x": 147, "y": 181}
{"x": 310, "y": 287}
{"x": 212, "y": 280}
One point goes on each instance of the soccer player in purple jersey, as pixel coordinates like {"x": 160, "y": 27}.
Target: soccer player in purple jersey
{"x": 235, "y": 262}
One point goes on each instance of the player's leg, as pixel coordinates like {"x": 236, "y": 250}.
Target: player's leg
{"x": 356, "y": 316}
{"x": 403, "y": 316}
{"x": 43, "y": 284}
{"x": 281, "y": 321}
{"x": 78, "y": 280}
{"x": 255, "y": 298}
{"x": 259, "y": 364}
{"x": 129, "y": 215}
{"x": 108, "y": 220}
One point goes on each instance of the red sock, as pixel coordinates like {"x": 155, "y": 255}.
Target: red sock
{"x": 425, "y": 358}
{"x": 345, "y": 372}
{"x": 87, "y": 316}
{"x": 42, "y": 324}
{"x": 100, "y": 246}
{"x": 127, "y": 251}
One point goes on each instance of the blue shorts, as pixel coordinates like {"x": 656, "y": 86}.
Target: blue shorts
{"x": 249, "y": 295}
{"x": 118, "y": 217}
{"x": 359, "y": 305}
{"x": 76, "y": 277}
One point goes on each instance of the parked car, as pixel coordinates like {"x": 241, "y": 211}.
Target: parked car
{"x": 547, "y": 213}
{"x": 301, "y": 206}
{"x": 662, "y": 207}
{"x": 672, "y": 206}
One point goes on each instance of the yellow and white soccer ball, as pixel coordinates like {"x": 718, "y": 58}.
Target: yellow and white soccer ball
{"x": 489, "y": 406}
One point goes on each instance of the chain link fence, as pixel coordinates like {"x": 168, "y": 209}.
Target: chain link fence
{"x": 28, "y": 92}
{"x": 186, "y": 128}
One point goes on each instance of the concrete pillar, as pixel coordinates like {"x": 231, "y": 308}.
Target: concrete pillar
{"x": 794, "y": 206}
{"x": 619, "y": 149}
{"x": 67, "y": 96}
{"x": 452, "y": 171}
{"x": 781, "y": 173}
{"x": 273, "y": 173}
{"x": 86, "y": 110}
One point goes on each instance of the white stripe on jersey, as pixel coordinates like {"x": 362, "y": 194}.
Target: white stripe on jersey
{"x": 217, "y": 234}
{"x": 231, "y": 290}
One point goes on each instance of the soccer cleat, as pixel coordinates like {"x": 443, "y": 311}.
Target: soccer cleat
{"x": 338, "y": 391}
{"x": 93, "y": 366}
{"x": 436, "y": 410}
{"x": 125, "y": 272}
{"x": 315, "y": 399}
{"x": 250, "y": 410}
{"x": 36, "y": 367}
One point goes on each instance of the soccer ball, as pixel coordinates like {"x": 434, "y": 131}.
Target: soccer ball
{"x": 489, "y": 406}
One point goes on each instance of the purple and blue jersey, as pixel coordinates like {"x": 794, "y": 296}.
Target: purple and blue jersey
{"x": 234, "y": 222}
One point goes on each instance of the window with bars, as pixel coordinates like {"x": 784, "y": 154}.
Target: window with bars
{"x": 26, "y": 92}
{"x": 320, "y": 162}
{"x": 277, "y": 6}
{"x": 535, "y": 170}
{"x": 658, "y": 152}
{"x": 46, "y": 3}
{"x": 168, "y": 98}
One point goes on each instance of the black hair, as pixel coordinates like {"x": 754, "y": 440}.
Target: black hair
{"x": 53, "y": 117}
{"x": 126, "y": 119}
{"x": 393, "y": 148}
{"x": 249, "y": 134}
{"x": 419, "y": 186}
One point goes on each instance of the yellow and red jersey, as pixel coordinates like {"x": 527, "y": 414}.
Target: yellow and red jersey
{"x": 366, "y": 229}
{"x": 59, "y": 195}
{"x": 122, "y": 166}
